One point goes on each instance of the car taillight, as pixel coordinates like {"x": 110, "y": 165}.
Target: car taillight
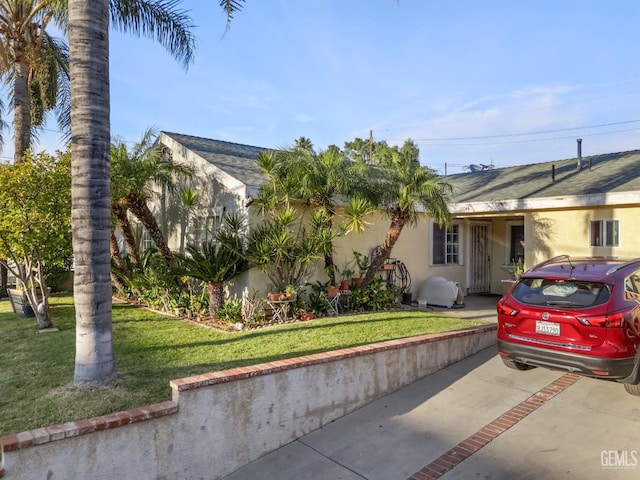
{"x": 610, "y": 320}
{"x": 506, "y": 310}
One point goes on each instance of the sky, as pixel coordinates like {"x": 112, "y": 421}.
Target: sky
{"x": 493, "y": 82}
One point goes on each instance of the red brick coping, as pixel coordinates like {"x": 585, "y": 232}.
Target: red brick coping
{"x": 242, "y": 373}
{"x": 486, "y": 434}
{"x": 113, "y": 420}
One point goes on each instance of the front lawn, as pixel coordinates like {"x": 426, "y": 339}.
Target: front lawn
{"x": 36, "y": 369}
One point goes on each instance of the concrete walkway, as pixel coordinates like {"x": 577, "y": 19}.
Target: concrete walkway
{"x": 473, "y": 419}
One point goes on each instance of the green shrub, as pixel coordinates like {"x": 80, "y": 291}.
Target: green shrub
{"x": 231, "y": 311}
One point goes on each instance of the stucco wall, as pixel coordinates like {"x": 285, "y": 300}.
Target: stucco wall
{"x": 552, "y": 233}
{"x": 218, "y": 422}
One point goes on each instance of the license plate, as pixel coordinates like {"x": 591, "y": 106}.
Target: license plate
{"x": 548, "y": 328}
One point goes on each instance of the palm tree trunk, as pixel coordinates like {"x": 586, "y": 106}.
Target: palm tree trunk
{"x": 216, "y": 298}
{"x": 127, "y": 233}
{"x": 21, "y": 105}
{"x": 141, "y": 210}
{"x": 90, "y": 189}
{"x": 398, "y": 221}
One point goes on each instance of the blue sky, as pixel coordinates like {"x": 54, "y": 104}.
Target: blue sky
{"x": 431, "y": 70}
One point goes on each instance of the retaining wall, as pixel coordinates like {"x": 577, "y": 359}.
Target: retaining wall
{"x": 220, "y": 421}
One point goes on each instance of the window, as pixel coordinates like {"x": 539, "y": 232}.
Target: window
{"x": 516, "y": 250}
{"x": 446, "y": 245}
{"x": 604, "y": 233}
{"x": 206, "y": 228}
{"x": 146, "y": 242}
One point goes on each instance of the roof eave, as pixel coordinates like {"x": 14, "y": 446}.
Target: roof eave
{"x": 547, "y": 203}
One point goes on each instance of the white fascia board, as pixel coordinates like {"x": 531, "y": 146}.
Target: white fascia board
{"x": 185, "y": 155}
{"x": 546, "y": 203}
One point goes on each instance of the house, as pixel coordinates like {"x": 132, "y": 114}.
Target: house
{"x": 580, "y": 206}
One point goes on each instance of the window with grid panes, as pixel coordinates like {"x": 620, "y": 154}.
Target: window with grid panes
{"x": 446, "y": 245}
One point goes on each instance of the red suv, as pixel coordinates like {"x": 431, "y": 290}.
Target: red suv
{"x": 581, "y": 315}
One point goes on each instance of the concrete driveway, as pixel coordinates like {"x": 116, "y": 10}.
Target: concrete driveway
{"x": 473, "y": 420}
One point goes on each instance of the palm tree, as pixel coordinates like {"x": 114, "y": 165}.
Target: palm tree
{"x": 90, "y": 196}
{"x": 189, "y": 198}
{"x": 218, "y": 261}
{"x": 321, "y": 181}
{"x": 403, "y": 186}
{"x": 34, "y": 64}
{"x": 133, "y": 173}
{"x": 90, "y": 183}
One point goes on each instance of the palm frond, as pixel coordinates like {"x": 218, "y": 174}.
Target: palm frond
{"x": 230, "y": 7}
{"x": 159, "y": 20}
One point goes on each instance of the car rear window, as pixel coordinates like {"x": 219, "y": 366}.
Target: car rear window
{"x": 561, "y": 293}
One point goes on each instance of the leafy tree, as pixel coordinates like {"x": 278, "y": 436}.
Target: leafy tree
{"x": 217, "y": 262}
{"x": 35, "y": 66}
{"x": 403, "y": 186}
{"x": 35, "y": 205}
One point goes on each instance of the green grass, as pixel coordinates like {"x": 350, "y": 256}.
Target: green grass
{"x": 36, "y": 370}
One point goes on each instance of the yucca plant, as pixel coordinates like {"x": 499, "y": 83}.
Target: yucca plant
{"x": 218, "y": 261}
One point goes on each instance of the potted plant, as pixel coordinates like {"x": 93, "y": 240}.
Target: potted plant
{"x": 332, "y": 291}
{"x": 518, "y": 268}
{"x": 363, "y": 262}
{"x": 305, "y": 316}
{"x": 346, "y": 276}
{"x": 290, "y": 292}
{"x": 275, "y": 297}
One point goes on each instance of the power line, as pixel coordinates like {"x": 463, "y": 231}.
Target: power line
{"x": 525, "y": 141}
{"x": 540, "y": 132}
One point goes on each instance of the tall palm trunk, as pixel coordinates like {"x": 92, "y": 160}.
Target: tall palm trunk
{"x": 90, "y": 189}
{"x": 21, "y": 105}
{"x": 21, "y": 123}
{"x": 398, "y": 220}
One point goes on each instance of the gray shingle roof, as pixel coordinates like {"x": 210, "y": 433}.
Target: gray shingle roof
{"x": 233, "y": 158}
{"x": 612, "y": 172}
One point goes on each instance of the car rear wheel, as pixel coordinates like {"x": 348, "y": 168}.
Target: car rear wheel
{"x": 632, "y": 389}
{"x": 516, "y": 365}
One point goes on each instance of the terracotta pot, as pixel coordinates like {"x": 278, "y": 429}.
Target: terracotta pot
{"x": 274, "y": 297}
{"x": 357, "y": 281}
{"x": 332, "y": 292}
{"x": 344, "y": 285}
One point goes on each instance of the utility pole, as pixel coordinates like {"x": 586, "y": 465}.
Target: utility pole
{"x": 370, "y": 146}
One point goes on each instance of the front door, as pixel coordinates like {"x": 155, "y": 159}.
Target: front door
{"x": 480, "y": 258}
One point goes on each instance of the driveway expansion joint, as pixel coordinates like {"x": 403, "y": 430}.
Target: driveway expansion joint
{"x": 463, "y": 450}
